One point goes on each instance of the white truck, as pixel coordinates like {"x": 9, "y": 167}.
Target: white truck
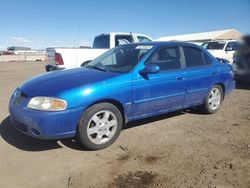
{"x": 224, "y": 49}
{"x": 65, "y": 58}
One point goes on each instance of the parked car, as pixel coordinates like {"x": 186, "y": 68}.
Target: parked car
{"x": 64, "y": 58}
{"x": 6, "y": 53}
{"x": 224, "y": 49}
{"x": 127, "y": 83}
{"x": 241, "y": 64}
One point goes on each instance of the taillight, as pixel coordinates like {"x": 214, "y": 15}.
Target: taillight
{"x": 58, "y": 59}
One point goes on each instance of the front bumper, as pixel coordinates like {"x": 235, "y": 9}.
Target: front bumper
{"x": 44, "y": 125}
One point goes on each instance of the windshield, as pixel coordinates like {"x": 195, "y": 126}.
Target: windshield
{"x": 120, "y": 59}
{"x": 213, "y": 45}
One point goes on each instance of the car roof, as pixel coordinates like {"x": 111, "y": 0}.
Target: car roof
{"x": 169, "y": 43}
{"x": 121, "y": 33}
{"x": 230, "y": 40}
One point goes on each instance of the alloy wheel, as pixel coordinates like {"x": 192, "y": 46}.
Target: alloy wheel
{"x": 102, "y": 127}
{"x": 214, "y": 99}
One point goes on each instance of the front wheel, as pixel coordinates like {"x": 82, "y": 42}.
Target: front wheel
{"x": 213, "y": 101}
{"x": 100, "y": 126}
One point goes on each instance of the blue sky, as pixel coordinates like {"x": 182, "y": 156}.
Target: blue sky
{"x": 42, "y": 23}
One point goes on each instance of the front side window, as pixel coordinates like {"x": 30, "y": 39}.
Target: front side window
{"x": 120, "y": 59}
{"x": 232, "y": 46}
{"x": 193, "y": 57}
{"x": 166, "y": 58}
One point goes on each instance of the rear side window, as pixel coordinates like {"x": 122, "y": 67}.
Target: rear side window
{"x": 194, "y": 57}
{"x": 207, "y": 59}
{"x": 102, "y": 42}
{"x": 167, "y": 58}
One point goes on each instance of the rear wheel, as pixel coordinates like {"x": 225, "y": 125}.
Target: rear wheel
{"x": 213, "y": 101}
{"x": 100, "y": 126}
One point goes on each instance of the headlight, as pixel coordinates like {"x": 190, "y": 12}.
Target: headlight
{"x": 47, "y": 104}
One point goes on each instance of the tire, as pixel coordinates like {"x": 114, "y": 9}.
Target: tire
{"x": 100, "y": 126}
{"x": 211, "y": 106}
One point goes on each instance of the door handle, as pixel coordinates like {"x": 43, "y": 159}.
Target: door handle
{"x": 180, "y": 78}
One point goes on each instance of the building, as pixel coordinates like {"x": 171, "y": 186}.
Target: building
{"x": 205, "y": 36}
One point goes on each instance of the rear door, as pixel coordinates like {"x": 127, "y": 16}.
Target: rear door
{"x": 201, "y": 74}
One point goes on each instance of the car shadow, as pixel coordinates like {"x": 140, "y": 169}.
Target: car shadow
{"x": 241, "y": 85}
{"x": 163, "y": 116}
{"x": 26, "y": 143}
{"x": 23, "y": 142}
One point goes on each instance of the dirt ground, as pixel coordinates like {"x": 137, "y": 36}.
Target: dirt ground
{"x": 181, "y": 149}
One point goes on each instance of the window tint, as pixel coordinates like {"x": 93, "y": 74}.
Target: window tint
{"x": 193, "y": 56}
{"x": 213, "y": 45}
{"x": 102, "y": 42}
{"x": 143, "y": 39}
{"x": 208, "y": 60}
{"x": 122, "y": 39}
{"x": 233, "y": 46}
{"x": 167, "y": 58}
{"x": 120, "y": 59}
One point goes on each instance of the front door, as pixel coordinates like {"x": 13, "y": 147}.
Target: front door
{"x": 163, "y": 91}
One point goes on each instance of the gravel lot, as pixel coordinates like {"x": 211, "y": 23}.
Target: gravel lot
{"x": 181, "y": 149}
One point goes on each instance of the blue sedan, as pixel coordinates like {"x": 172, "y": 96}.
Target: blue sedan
{"x": 127, "y": 83}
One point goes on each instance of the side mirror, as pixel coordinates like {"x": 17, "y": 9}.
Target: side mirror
{"x": 150, "y": 69}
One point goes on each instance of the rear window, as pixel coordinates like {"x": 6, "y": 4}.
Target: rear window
{"x": 102, "y": 42}
{"x": 214, "y": 45}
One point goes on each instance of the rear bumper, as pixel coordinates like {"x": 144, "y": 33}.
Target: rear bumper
{"x": 230, "y": 86}
{"x": 242, "y": 77}
{"x": 49, "y": 68}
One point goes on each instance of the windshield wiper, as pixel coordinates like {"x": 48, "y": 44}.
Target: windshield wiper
{"x": 94, "y": 67}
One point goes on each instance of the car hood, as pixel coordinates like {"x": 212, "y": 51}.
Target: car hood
{"x": 52, "y": 83}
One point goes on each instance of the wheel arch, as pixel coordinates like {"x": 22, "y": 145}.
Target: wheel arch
{"x": 116, "y": 103}
{"x": 223, "y": 88}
